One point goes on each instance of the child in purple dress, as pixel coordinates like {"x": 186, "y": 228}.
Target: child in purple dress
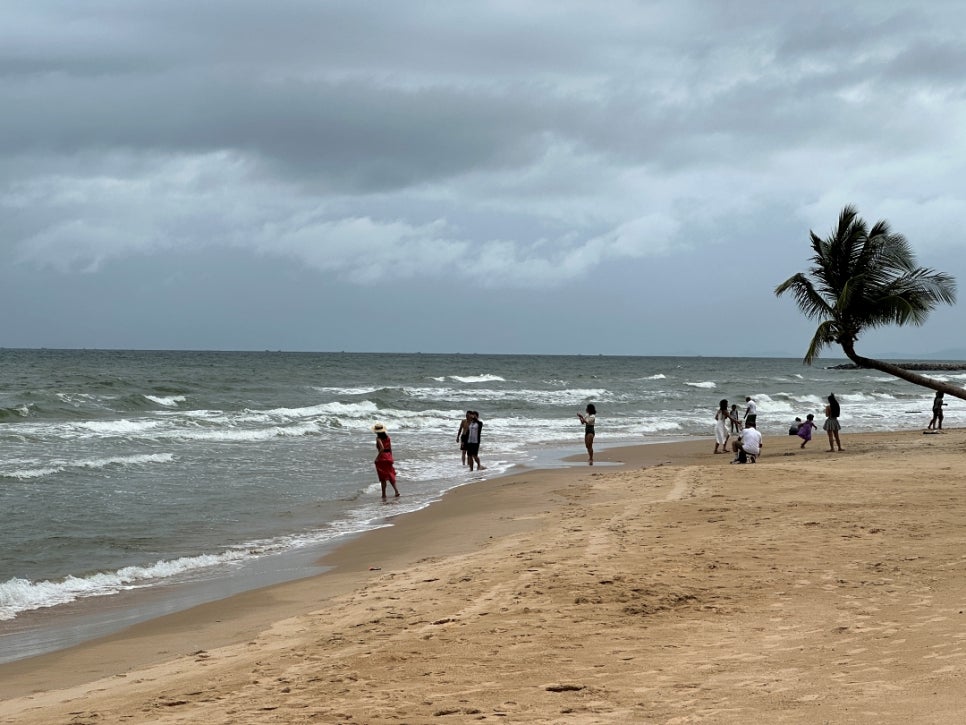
{"x": 806, "y": 428}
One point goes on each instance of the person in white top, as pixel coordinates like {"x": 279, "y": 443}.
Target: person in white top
{"x": 751, "y": 412}
{"x": 589, "y": 420}
{"x": 750, "y": 446}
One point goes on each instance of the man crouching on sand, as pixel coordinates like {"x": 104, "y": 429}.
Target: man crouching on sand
{"x": 749, "y": 446}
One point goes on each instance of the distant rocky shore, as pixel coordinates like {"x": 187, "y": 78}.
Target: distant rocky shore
{"x": 918, "y": 366}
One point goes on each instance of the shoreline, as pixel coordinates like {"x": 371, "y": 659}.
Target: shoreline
{"x": 48, "y": 630}
{"x": 341, "y": 566}
{"x": 676, "y": 489}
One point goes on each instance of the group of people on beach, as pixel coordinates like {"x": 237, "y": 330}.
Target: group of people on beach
{"x": 748, "y": 442}
{"x": 728, "y": 424}
{"x": 803, "y": 429}
{"x": 468, "y": 437}
{"x": 746, "y": 447}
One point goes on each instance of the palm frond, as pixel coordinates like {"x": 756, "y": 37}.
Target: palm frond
{"x": 809, "y": 301}
{"x": 824, "y": 336}
{"x": 863, "y": 278}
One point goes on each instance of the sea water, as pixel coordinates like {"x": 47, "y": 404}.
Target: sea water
{"x": 128, "y": 471}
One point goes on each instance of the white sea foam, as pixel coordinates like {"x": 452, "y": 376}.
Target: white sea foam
{"x": 945, "y": 377}
{"x": 343, "y": 409}
{"x": 74, "y": 398}
{"x": 25, "y": 474}
{"x": 810, "y": 400}
{"x": 28, "y": 469}
{"x": 659, "y": 376}
{"x": 363, "y": 410}
{"x": 856, "y": 397}
{"x": 364, "y": 390}
{"x": 135, "y": 460}
{"x": 477, "y": 378}
{"x": 21, "y": 595}
{"x": 706, "y": 384}
{"x": 570, "y": 396}
{"x": 122, "y": 427}
{"x": 235, "y": 435}
{"x": 659, "y": 426}
{"x": 170, "y": 401}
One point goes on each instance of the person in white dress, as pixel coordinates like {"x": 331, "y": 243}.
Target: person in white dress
{"x": 722, "y": 425}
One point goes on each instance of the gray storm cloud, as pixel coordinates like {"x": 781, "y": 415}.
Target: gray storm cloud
{"x": 499, "y": 145}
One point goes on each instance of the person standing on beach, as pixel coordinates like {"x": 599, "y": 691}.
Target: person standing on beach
{"x": 722, "y": 422}
{"x": 751, "y": 412}
{"x": 474, "y": 430}
{"x": 385, "y": 467}
{"x": 463, "y": 434}
{"x": 589, "y": 420}
{"x": 937, "y": 412}
{"x": 831, "y": 425}
{"x": 735, "y": 421}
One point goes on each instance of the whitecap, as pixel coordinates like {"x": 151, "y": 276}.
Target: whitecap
{"x": 354, "y": 390}
{"x": 477, "y": 378}
{"x": 121, "y": 427}
{"x": 25, "y": 474}
{"x": 41, "y": 469}
{"x": 21, "y": 595}
{"x": 170, "y": 401}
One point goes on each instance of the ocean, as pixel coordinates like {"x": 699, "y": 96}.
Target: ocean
{"x": 134, "y": 483}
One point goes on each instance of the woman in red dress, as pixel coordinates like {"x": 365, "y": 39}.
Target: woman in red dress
{"x": 384, "y": 462}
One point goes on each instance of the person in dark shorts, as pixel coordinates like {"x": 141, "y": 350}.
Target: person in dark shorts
{"x": 937, "y": 413}
{"x": 463, "y": 434}
{"x": 751, "y": 413}
{"x": 475, "y": 428}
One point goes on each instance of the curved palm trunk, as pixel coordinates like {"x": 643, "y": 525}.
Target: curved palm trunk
{"x": 907, "y": 375}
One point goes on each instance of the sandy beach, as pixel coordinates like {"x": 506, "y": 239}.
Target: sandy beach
{"x": 662, "y": 586}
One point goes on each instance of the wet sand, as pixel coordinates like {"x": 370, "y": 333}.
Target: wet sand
{"x": 674, "y": 588}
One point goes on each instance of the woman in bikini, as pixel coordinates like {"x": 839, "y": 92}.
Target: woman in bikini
{"x": 589, "y": 419}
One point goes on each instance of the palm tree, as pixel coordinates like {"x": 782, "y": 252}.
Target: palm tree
{"x": 864, "y": 278}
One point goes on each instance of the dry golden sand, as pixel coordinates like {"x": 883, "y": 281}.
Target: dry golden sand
{"x": 812, "y": 587}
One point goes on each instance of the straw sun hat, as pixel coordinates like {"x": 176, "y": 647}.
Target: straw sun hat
{"x": 378, "y": 428}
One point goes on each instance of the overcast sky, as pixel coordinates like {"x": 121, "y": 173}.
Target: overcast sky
{"x": 509, "y": 177}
